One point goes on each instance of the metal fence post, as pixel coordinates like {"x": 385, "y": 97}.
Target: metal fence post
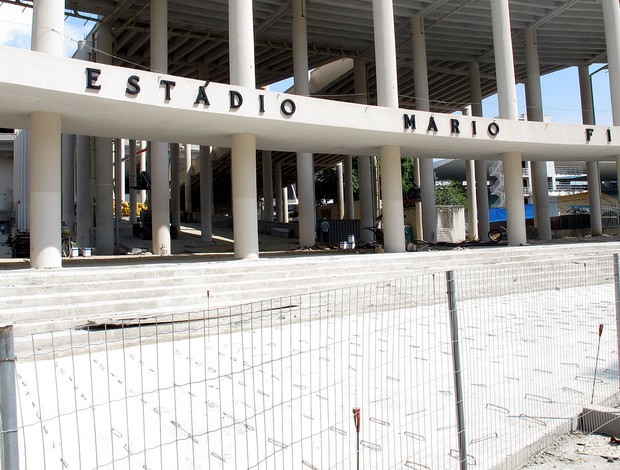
{"x": 456, "y": 364}
{"x": 8, "y": 401}
{"x": 617, "y": 296}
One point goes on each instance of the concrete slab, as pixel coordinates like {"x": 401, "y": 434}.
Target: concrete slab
{"x": 600, "y": 420}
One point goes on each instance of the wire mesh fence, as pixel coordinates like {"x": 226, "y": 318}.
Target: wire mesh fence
{"x": 274, "y": 384}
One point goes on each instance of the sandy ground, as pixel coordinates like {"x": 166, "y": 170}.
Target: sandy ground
{"x": 577, "y": 451}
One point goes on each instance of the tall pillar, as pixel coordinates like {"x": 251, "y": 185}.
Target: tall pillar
{"x": 278, "y": 192}
{"x": 144, "y": 149}
{"x": 68, "y": 180}
{"x": 45, "y": 190}
{"x": 160, "y": 210}
{"x": 364, "y": 173}
{"x": 340, "y": 189}
{"x": 119, "y": 157}
{"x": 244, "y": 196}
{"x": 84, "y": 216}
{"x": 243, "y": 152}
{"x": 472, "y": 207}
{"x": 83, "y": 196}
{"x": 104, "y": 180}
{"x": 349, "y": 202}
{"x": 132, "y": 182}
{"x": 188, "y": 178}
{"x": 480, "y": 166}
{"x": 471, "y": 200}
{"x": 427, "y": 174}
{"x": 45, "y": 148}
{"x": 206, "y": 194}
{"x": 533, "y": 96}
{"x": 387, "y": 96}
{"x": 594, "y": 180}
{"x": 305, "y": 164}
{"x": 285, "y": 204}
{"x": 611, "y": 19}
{"x": 175, "y": 186}
{"x": 507, "y": 98}
{"x": 48, "y": 21}
{"x": 267, "y": 187}
{"x": 104, "y": 190}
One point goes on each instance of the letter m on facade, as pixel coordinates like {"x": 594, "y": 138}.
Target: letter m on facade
{"x": 409, "y": 121}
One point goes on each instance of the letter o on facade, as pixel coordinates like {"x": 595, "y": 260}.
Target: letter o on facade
{"x": 493, "y": 129}
{"x": 288, "y": 107}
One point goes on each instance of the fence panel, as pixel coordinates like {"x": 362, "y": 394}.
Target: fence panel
{"x": 273, "y": 384}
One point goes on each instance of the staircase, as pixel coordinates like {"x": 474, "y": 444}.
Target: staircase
{"x": 41, "y": 300}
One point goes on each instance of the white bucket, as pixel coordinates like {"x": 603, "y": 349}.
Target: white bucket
{"x": 344, "y": 246}
{"x": 351, "y": 240}
{"x": 75, "y": 252}
{"x": 86, "y": 251}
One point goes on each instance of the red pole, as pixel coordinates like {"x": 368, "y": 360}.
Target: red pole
{"x": 356, "y": 421}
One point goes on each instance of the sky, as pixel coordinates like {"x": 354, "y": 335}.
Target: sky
{"x": 560, "y": 90}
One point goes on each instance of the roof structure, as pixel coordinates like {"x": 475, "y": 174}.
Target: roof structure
{"x": 458, "y": 32}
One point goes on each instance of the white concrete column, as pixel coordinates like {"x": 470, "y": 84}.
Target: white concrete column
{"x": 367, "y": 219}
{"x": 45, "y": 190}
{"x": 533, "y": 96}
{"x": 349, "y": 202}
{"x": 104, "y": 191}
{"x": 481, "y": 174}
{"x": 305, "y": 163}
{"x": 392, "y": 197}
{"x": 340, "y": 189}
{"x": 285, "y": 204}
{"x": 241, "y": 43}
{"x": 364, "y": 173}
{"x": 387, "y": 96}
{"x": 278, "y": 192}
{"x": 68, "y": 180}
{"x": 84, "y": 197}
{"x": 144, "y": 149}
{"x": 83, "y": 157}
{"x": 427, "y": 174}
{"x": 206, "y": 194}
{"x": 104, "y": 179}
{"x": 45, "y": 148}
{"x": 243, "y": 160}
{"x": 158, "y": 170}
{"x": 175, "y": 186}
{"x": 514, "y": 198}
{"x": 507, "y": 98}
{"x": 504, "y": 62}
{"x": 119, "y": 157}
{"x": 132, "y": 162}
{"x": 243, "y": 151}
{"x": 267, "y": 186}
{"x": 159, "y": 200}
{"x": 472, "y": 207}
{"x": 611, "y": 17}
{"x": 592, "y": 168}
{"x": 188, "y": 178}
{"x": 48, "y": 26}
{"x": 471, "y": 200}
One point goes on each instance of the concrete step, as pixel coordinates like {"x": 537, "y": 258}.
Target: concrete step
{"x": 75, "y": 294}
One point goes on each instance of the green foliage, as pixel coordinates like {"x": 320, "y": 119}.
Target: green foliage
{"x": 451, "y": 193}
{"x": 326, "y": 184}
{"x": 408, "y": 174}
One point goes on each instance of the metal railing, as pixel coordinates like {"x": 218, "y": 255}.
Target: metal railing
{"x": 466, "y": 368}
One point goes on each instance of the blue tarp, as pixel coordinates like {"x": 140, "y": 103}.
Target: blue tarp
{"x": 497, "y": 214}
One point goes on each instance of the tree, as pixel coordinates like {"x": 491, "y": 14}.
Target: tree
{"x": 450, "y": 193}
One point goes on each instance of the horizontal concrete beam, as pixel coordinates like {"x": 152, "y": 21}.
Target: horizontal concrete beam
{"x": 110, "y": 101}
